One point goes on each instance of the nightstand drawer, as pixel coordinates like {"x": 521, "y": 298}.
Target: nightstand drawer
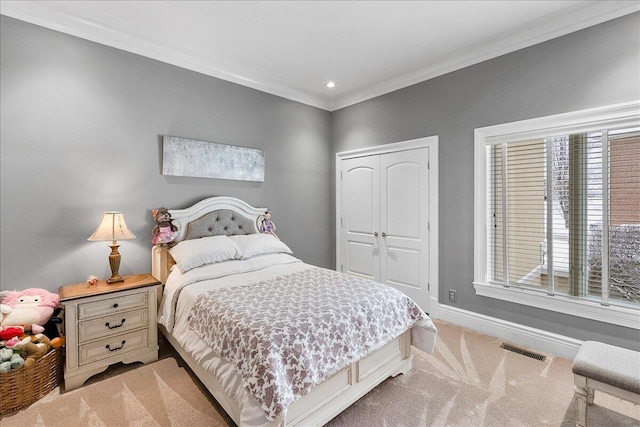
{"x": 113, "y": 346}
{"x": 111, "y": 325}
{"x": 112, "y": 305}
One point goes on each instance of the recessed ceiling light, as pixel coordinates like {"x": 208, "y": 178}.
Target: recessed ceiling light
{"x": 331, "y": 84}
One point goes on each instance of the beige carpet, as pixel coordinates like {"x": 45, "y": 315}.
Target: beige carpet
{"x": 158, "y": 394}
{"x": 469, "y": 381}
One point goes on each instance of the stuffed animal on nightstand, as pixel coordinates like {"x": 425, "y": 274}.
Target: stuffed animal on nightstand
{"x": 164, "y": 232}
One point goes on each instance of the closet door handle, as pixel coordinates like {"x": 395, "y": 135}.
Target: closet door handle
{"x": 384, "y": 234}
{"x": 375, "y": 233}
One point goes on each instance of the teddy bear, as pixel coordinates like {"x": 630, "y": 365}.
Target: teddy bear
{"x": 30, "y": 309}
{"x": 164, "y": 232}
{"x": 267, "y": 226}
{"x": 34, "y": 348}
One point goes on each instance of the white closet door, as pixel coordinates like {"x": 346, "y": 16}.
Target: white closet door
{"x": 404, "y": 223}
{"x": 385, "y": 220}
{"x": 361, "y": 217}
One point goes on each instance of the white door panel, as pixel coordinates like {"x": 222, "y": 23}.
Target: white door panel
{"x": 360, "y": 260}
{"x": 404, "y": 249}
{"x": 360, "y": 193}
{"x": 361, "y": 219}
{"x": 402, "y": 207}
{"x": 403, "y": 268}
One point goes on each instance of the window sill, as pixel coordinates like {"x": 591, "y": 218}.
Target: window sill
{"x": 626, "y": 317}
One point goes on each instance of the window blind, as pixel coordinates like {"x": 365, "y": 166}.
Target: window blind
{"x": 564, "y": 215}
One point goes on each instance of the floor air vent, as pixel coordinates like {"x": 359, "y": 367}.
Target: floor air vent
{"x": 524, "y": 352}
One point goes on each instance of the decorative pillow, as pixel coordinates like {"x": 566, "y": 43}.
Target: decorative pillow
{"x": 193, "y": 253}
{"x": 259, "y": 244}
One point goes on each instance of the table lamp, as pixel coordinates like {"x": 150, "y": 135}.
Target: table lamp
{"x": 113, "y": 228}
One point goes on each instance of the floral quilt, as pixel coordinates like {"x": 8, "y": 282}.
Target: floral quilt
{"x": 288, "y": 334}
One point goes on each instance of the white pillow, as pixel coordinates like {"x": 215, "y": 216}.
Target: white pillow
{"x": 259, "y": 244}
{"x": 193, "y": 253}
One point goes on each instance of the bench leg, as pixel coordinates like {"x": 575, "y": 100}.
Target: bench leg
{"x": 582, "y": 398}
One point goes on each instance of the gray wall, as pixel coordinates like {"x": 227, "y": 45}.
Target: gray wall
{"x": 591, "y": 68}
{"x": 81, "y": 128}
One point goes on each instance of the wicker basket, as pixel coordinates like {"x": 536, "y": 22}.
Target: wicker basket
{"x": 21, "y": 387}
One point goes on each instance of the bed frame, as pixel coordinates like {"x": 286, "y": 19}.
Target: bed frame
{"x": 228, "y": 215}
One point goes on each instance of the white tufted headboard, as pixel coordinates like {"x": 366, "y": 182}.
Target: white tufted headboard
{"x": 209, "y": 217}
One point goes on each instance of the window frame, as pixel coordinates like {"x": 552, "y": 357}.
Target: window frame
{"x": 589, "y": 120}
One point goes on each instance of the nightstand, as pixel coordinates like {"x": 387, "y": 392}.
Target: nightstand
{"x": 107, "y": 324}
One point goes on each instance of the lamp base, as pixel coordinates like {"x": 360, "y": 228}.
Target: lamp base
{"x": 114, "y": 262}
{"x": 116, "y": 278}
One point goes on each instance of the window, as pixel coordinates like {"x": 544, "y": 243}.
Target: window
{"x": 557, "y": 213}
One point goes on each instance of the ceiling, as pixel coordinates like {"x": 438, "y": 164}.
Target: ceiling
{"x": 293, "y": 48}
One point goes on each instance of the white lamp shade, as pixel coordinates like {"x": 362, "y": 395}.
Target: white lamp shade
{"x": 112, "y": 228}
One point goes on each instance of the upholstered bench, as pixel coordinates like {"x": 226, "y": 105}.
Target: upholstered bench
{"x": 606, "y": 368}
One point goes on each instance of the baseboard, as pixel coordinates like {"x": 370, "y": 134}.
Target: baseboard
{"x": 434, "y": 308}
{"x": 532, "y": 338}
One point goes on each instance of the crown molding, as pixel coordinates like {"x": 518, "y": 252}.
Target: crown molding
{"x": 592, "y": 13}
{"x": 41, "y": 15}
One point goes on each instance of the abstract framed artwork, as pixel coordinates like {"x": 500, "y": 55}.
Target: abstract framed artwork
{"x": 204, "y": 159}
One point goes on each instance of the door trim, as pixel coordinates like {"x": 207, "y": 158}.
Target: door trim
{"x": 430, "y": 142}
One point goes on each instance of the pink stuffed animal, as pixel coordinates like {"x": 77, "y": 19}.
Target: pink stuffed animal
{"x": 30, "y": 308}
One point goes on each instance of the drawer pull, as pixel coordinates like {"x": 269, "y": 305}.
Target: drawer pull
{"x": 115, "y": 305}
{"x": 114, "y": 326}
{"x": 115, "y": 348}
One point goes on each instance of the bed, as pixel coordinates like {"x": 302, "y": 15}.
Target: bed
{"x": 276, "y": 341}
